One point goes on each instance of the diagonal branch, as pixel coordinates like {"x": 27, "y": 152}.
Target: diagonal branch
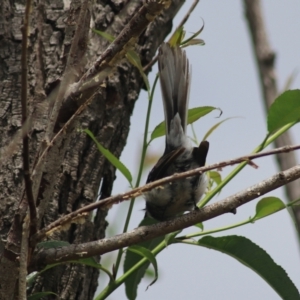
{"x": 265, "y": 59}
{"x": 78, "y": 215}
{"x": 145, "y": 233}
{"x": 116, "y": 51}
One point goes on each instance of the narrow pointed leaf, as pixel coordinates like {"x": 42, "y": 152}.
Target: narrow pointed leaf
{"x": 105, "y": 35}
{"x": 284, "y": 110}
{"x": 213, "y": 128}
{"x": 131, "y": 258}
{"x": 194, "y": 42}
{"x": 135, "y": 60}
{"x": 110, "y": 157}
{"x": 147, "y": 254}
{"x": 91, "y": 262}
{"x": 215, "y": 176}
{"x": 170, "y": 237}
{"x": 268, "y": 206}
{"x": 257, "y": 259}
{"x": 193, "y": 36}
{"x": 193, "y": 115}
{"x": 177, "y": 37}
{"x": 200, "y": 225}
{"x": 198, "y": 112}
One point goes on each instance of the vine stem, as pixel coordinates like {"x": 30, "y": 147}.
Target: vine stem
{"x": 144, "y": 151}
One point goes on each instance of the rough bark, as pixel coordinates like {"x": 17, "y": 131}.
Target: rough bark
{"x": 74, "y": 168}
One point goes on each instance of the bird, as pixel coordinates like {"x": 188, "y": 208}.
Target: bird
{"x": 172, "y": 199}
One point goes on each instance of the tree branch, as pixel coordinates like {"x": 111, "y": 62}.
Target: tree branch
{"x": 265, "y": 58}
{"x": 144, "y": 233}
{"x": 127, "y": 37}
{"x": 78, "y": 215}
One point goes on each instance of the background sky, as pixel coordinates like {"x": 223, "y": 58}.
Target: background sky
{"x": 224, "y": 75}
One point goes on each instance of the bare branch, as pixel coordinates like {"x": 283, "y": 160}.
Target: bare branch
{"x": 79, "y": 214}
{"x": 146, "y": 233}
{"x": 117, "y": 49}
{"x": 265, "y": 58}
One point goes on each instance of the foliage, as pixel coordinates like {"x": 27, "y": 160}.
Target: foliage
{"x": 282, "y": 115}
{"x": 135, "y": 267}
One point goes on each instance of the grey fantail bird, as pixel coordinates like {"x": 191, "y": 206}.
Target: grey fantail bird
{"x": 172, "y": 199}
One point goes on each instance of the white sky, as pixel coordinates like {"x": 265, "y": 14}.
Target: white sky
{"x": 225, "y": 76}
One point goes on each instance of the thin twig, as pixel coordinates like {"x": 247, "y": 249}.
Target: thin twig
{"x": 145, "y": 233}
{"x": 25, "y": 153}
{"x": 116, "y": 51}
{"x": 62, "y": 130}
{"x": 127, "y": 37}
{"x": 108, "y": 202}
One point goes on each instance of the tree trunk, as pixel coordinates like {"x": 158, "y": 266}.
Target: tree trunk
{"x": 74, "y": 169}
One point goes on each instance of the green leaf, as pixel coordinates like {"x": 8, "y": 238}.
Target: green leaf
{"x": 200, "y": 225}
{"x": 284, "y": 110}
{"x": 194, "y": 42}
{"x": 105, "y": 35}
{"x": 30, "y": 278}
{"x": 215, "y": 176}
{"x": 149, "y": 273}
{"x": 147, "y": 254}
{"x": 91, "y": 262}
{"x": 159, "y": 130}
{"x": 193, "y": 115}
{"x": 110, "y": 157}
{"x": 257, "y": 259}
{"x": 40, "y": 295}
{"x": 213, "y": 128}
{"x": 198, "y": 112}
{"x": 131, "y": 55}
{"x": 170, "y": 237}
{"x": 187, "y": 41}
{"x": 52, "y": 244}
{"x": 268, "y": 206}
{"x": 131, "y": 258}
{"x": 135, "y": 60}
{"x": 177, "y": 37}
